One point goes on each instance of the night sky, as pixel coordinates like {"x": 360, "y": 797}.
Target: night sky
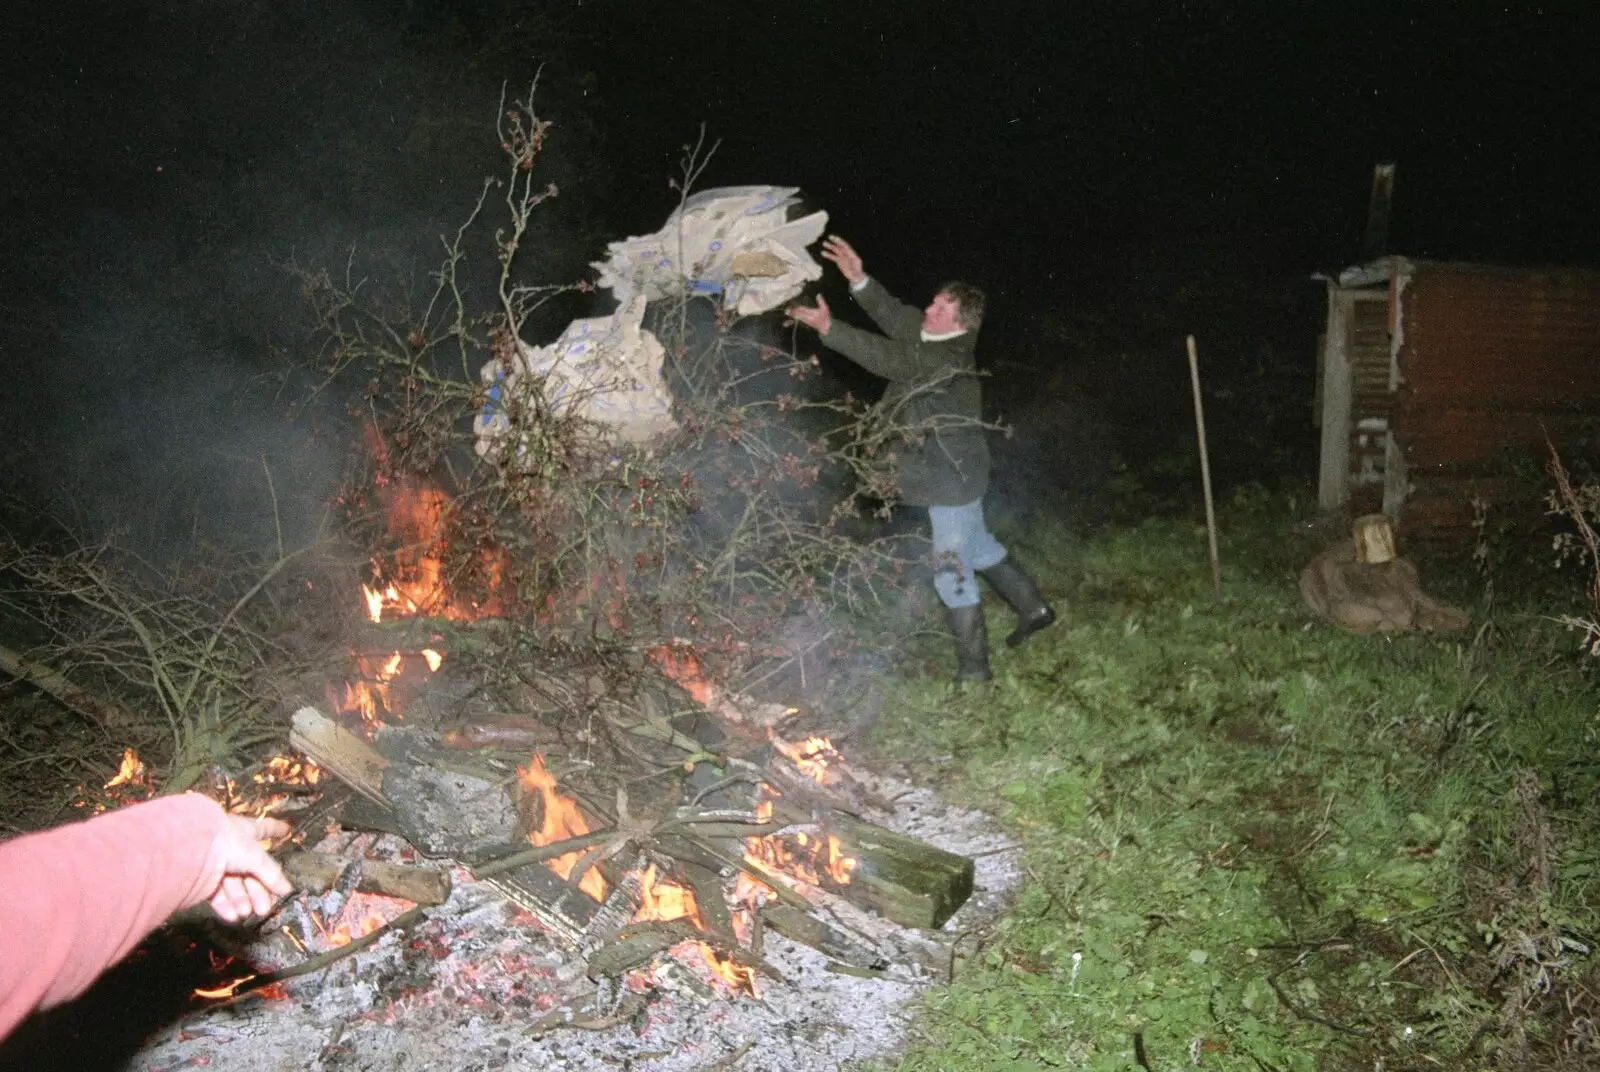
{"x": 1114, "y": 175}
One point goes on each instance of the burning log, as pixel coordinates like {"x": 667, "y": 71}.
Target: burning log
{"x": 317, "y": 873}
{"x": 812, "y": 774}
{"x": 450, "y": 814}
{"x": 710, "y": 901}
{"x": 564, "y": 911}
{"x": 609, "y": 920}
{"x": 902, "y": 879}
{"x": 533, "y": 886}
{"x": 639, "y": 944}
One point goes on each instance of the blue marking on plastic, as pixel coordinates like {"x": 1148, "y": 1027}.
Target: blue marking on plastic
{"x": 491, "y": 402}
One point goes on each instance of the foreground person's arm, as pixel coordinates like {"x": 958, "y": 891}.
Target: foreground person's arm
{"x": 76, "y": 899}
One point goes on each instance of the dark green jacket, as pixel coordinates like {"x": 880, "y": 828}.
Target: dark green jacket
{"x": 933, "y": 397}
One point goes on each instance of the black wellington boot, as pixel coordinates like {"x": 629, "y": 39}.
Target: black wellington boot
{"x": 972, "y": 643}
{"x": 1015, "y": 587}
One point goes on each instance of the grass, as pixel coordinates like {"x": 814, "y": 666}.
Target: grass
{"x": 1255, "y": 842}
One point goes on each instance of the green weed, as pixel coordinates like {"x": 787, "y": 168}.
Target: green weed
{"x": 1254, "y": 842}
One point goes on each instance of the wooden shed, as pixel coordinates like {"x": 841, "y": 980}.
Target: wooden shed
{"x": 1433, "y": 373}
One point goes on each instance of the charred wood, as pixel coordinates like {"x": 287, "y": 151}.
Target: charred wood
{"x": 318, "y": 872}
{"x": 825, "y": 939}
{"x": 904, "y": 880}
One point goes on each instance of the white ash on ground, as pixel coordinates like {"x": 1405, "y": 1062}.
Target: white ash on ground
{"x": 480, "y": 985}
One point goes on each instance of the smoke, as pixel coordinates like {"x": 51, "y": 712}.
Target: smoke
{"x": 170, "y": 160}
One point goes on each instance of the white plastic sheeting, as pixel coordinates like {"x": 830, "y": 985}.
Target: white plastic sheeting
{"x": 734, "y": 243}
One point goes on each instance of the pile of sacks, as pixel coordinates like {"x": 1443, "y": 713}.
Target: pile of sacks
{"x": 735, "y": 244}
{"x": 1362, "y": 586}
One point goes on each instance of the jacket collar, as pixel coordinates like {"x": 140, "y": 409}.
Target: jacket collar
{"x": 941, "y": 338}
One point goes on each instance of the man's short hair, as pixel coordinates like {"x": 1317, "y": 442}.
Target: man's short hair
{"x": 972, "y": 303}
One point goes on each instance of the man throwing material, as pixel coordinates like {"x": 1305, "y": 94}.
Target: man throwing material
{"x": 935, "y": 397}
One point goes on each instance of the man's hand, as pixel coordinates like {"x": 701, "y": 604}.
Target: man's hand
{"x": 844, "y": 255}
{"x": 252, "y": 881}
{"x": 818, "y": 318}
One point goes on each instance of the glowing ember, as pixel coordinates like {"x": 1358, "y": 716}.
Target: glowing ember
{"x": 562, "y": 820}
{"x": 434, "y": 659}
{"x": 750, "y": 891}
{"x": 679, "y": 664}
{"x": 288, "y": 770}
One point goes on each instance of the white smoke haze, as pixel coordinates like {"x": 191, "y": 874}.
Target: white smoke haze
{"x": 147, "y": 333}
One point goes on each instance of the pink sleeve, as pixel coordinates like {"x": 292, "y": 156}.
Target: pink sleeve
{"x": 76, "y": 899}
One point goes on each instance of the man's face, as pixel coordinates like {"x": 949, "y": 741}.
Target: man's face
{"x": 942, "y": 316}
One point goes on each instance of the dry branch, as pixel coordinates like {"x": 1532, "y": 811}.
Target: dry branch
{"x": 94, "y": 708}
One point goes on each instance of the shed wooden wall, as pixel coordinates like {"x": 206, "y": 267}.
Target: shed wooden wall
{"x": 1490, "y": 358}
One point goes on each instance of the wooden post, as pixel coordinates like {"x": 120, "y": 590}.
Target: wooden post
{"x": 1205, "y": 470}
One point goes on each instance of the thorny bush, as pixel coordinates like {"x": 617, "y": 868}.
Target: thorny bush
{"x": 188, "y": 667}
{"x": 757, "y": 508}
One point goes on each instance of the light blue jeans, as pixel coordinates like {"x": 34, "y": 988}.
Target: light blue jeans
{"x": 962, "y": 544}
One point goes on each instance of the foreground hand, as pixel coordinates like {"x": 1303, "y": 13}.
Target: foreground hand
{"x": 252, "y": 882}
{"x": 818, "y": 318}
{"x": 844, "y": 255}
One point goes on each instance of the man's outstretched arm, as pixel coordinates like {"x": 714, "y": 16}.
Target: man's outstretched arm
{"x": 891, "y": 359}
{"x": 75, "y": 900}
{"x": 897, "y": 319}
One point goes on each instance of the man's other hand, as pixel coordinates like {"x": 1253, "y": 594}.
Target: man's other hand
{"x": 844, "y": 255}
{"x": 818, "y": 318}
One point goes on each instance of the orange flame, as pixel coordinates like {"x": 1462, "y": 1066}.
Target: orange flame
{"x": 726, "y": 970}
{"x": 264, "y": 793}
{"x": 680, "y": 664}
{"x": 562, "y": 820}
{"x": 376, "y": 599}
{"x": 814, "y": 758}
{"x": 816, "y": 861}
{"x": 663, "y": 899}
{"x": 132, "y": 771}
{"x": 370, "y": 695}
{"x": 288, "y": 770}
{"x": 365, "y": 699}
{"x": 414, "y": 582}
{"x": 226, "y": 990}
